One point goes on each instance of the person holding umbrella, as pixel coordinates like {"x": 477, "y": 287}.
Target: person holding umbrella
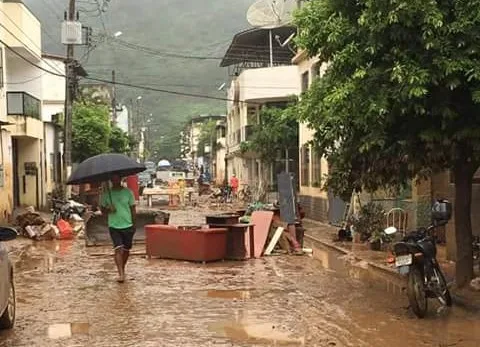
{"x": 119, "y": 205}
{"x": 118, "y": 202}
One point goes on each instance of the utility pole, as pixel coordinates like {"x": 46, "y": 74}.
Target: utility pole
{"x": 69, "y": 95}
{"x": 114, "y": 99}
{"x": 130, "y": 125}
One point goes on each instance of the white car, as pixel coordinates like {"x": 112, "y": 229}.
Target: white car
{"x": 7, "y": 287}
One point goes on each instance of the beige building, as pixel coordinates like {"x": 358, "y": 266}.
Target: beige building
{"x": 22, "y": 33}
{"x": 313, "y": 167}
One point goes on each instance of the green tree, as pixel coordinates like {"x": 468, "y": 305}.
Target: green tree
{"x": 399, "y": 97}
{"x": 119, "y": 141}
{"x": 91, "y": 130}
{"x": 276, "y": 131}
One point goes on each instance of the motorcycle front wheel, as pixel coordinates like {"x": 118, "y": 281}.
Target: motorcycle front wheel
{"x": 445, "y": 293}
{"x": 416, "y": 292}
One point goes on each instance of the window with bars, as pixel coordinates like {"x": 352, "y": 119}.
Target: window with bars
{"x": 305, "y": 81}
{"x": 315, "y": 70}
{"x": 1, "y": 69}
{"x": 305, "y": 166}
{"x": 316, "y": 169}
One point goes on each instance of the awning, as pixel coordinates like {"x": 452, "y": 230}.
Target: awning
{"x": 253, "y": 46}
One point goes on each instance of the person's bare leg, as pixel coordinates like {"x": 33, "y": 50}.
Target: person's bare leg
{"x": 126, "y": 254}
{"x": 293, "y": 238}
{"x": 119, "y": 261}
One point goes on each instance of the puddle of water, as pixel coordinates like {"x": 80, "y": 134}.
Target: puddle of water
{"x": 229, "y": 294}
{"x": 258, "y": 333}
{"x": 349, "y": 267}
{"x": 59, "y": 331}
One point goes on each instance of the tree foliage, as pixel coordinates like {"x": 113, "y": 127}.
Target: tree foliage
{"x": 276, "y": 131}
{"x": 119, "y": 141}
{"x": 399, "y": 97}
{"x": 166, "y": 147}
{"x": 91, "y": 130}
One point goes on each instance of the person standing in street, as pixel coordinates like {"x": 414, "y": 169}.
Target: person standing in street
{"x": 234, "y": 184}
{"x": 119, "y": 205}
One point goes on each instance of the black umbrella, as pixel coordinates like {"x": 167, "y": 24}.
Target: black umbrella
{"x": 102, "y": 167}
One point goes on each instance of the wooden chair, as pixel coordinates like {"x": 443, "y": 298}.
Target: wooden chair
{"x": 398, "y": 218}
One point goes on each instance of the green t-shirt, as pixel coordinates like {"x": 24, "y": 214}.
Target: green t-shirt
{"x": 123, "y": 200}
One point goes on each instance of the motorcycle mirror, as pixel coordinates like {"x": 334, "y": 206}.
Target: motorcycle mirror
{"x": 390, "y": 230}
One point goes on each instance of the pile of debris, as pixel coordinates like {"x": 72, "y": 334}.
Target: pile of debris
{"x": 33, "y": 225}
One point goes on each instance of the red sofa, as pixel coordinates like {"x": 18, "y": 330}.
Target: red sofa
{"x": 172, "y": 242}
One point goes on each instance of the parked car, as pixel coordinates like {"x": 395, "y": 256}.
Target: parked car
{"x": 7, "y": 287}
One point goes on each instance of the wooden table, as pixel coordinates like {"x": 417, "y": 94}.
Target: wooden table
{"x": 150, "y": 192}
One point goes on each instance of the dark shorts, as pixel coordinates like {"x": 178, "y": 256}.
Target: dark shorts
{"x": 122, "y": 238}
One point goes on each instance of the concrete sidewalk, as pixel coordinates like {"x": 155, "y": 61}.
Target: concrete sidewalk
{"x": 326, "y": 235}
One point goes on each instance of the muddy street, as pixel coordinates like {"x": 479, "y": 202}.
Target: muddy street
{"x": 67, "y": 296}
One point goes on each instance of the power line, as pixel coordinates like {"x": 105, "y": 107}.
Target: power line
{"x": 101, "y": 10}
{"x": 20, "y": 41}
{"x": 240, "y": 51}
{"x": 52, "y": 9}
{"x": 199, "y": 86}
{"x": 29, "y": 62}
{"x": 130, "y": 85}
{"x": 29, "y": 80}
{"x": 160, "y": 53}
{"x": 165, "y": 91}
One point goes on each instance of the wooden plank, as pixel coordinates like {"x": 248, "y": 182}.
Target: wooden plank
{"x": 261, "y": 221}
{"x": 274, "y": 241}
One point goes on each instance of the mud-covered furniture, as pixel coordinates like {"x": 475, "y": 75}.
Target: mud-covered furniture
{"x": 239, "y": 245}
{"x": 223, "y": 219}
{"x": 96, "y": 227}
{"x": 191, "y": 244}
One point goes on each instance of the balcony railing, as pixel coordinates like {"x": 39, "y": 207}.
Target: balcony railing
{"x": 23, "y": 104}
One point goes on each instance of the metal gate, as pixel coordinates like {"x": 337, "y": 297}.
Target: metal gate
{"x": 336, "y": 209}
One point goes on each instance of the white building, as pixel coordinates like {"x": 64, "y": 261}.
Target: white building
{"x": 53, "y": 105}
{"x": 29, "y": 100}
{"x": 190, "y": 137}
{"x": 259, "y": 80}
{"x": 22, "y": 33}
{"x": 122, "y": 118}
{"x": 219, "y": 164}
{"x": 249, "y": 92}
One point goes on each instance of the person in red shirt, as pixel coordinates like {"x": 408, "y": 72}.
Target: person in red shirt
{"x": 234, "y": 184}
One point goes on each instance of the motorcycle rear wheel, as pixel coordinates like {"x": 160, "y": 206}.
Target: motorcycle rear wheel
{"x": 416, "y": 293}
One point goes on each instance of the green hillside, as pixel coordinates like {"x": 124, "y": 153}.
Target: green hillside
{"x": 185, "y": 27}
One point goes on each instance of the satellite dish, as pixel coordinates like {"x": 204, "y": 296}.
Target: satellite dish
{"x": 270, "y": 14}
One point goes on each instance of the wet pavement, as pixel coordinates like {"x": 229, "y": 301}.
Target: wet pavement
{"x": 68, "y": 297}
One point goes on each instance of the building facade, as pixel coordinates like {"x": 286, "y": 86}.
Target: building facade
{"x": 30, "y": 101}
{"x": 249, "y": 92}
{"x": 190, "y": 140}
{"x": 313, "y": 167}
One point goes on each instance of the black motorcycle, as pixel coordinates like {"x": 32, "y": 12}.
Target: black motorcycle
{"x": 415, "y": 256}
